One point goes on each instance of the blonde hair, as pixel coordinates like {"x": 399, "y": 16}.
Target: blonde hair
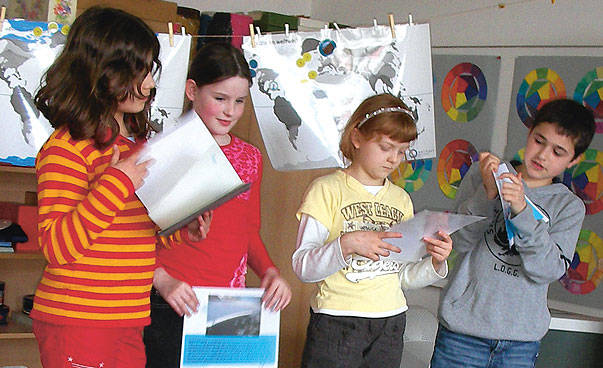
{"x": 397, "y": 123}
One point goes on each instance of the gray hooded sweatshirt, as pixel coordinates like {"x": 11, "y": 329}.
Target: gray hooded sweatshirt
{"x": 497, "y": 292}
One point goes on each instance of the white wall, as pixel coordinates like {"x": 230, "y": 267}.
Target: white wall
{"x": 289, "y": 7}
{"x": 480, "y": 23}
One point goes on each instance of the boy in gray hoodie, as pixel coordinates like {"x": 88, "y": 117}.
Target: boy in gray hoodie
{"x": 493, "y": 311}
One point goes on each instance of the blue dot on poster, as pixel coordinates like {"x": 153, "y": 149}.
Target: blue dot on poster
{"x": 327, "y": 47}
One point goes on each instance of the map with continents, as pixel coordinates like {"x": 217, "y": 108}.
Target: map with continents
{"x": 306, "y": 85}
{"x": 28, "y": 48}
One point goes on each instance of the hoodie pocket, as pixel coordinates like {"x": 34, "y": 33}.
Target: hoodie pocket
{"x": 465, "y": 297}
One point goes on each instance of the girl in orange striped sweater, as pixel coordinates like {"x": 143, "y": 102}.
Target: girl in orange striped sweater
{"x": 93, "y": 300}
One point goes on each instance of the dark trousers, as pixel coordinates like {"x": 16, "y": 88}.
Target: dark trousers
{"x": 350, "y": 342}
{"x": 163, "y": 337}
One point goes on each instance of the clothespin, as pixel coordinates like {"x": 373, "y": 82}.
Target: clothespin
{"x": 336, "y": 26}
{"x": 183, "y": 31}
{"x": 287, "y": 30}
{"x": 553, "y": 2}
{"x": 2, "y": 16}
{"x": 410, "y": 22}
{"x": 375, "y": 22}
{"x": 252, "y": 34}
{"x": 392, "y": 25}
{"x": 171, "y": 33}
{"x": 257, "y": 29}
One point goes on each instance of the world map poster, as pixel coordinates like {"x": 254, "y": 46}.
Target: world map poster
{"x": 28, "y": 48}
{"x": 307, "y": 84}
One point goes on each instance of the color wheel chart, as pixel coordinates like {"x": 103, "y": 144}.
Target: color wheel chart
{"x": 465, "y": 95}
{"x": 537, "y": 79}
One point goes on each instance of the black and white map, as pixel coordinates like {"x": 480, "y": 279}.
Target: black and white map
{"x": 307, "y": 84}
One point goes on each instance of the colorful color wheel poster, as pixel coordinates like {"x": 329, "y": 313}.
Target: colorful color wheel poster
{"x": 589, "y": 92}
{"x": 411, "y": 176}
{"x": 537, "y": 88}
{"x": 454, "y": 162}
{"x": 586, "y": 180}
{"x": 464, "y": 92}
{"x": 586, "y": 270}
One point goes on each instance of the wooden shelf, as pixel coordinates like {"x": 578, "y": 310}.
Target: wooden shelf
{"x": 37, "y": 255}
{"x": 18, "y": 169}
{"x": 15, "y": 329}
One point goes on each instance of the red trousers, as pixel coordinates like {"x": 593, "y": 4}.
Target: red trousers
{"x": 85, "y": 347}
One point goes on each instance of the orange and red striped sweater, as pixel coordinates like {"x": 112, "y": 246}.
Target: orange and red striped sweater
{"x": 96, "y": 236}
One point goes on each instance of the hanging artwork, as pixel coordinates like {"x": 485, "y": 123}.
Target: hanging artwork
{"x": 307, "y": 84}
{"x": 465, "y": 98}
{"x": 28, "y": 48}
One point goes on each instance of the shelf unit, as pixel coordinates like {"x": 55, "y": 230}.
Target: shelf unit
{"x": 21, "y": 273}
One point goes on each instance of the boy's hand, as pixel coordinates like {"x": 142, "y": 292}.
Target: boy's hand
{"x": 199, "y": 227}
{"x": 179, "y": 295}
{"x": 488, "y": 163}
{"x": 513, "y": 192}
{"x": 369, "y": 244}
{"x": 439, "y": 249}
{"x": 277, "y": 292}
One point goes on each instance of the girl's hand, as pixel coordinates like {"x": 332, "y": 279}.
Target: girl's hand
{"x": 369, "y": 244}
{"x": 278, "y": 291}
{"x": 488, "y": 163}
{"x": 199, "y": 228}
{"x": 179, "y": 295}
{"x": 135, "y": 171}
{"x": 439, "y": 249}
{"x": 513, "y": 192}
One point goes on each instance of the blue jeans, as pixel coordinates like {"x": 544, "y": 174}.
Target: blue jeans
{"x": 463, "y": 351}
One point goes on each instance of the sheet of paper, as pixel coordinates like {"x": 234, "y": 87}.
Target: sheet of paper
{"x": 230, "y": 329}
{"x": 506, "y": 206}
{"x": 190, "y": 171}
{"x": 424, "y": 223}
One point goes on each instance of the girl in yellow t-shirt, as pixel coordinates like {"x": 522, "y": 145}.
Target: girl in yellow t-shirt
{"x": 358, "y": 311}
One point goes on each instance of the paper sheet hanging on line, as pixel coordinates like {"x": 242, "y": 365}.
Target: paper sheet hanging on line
{"x": 26, "y": 54}
{"x": 190, "y": 175}
{"x": 307, "y": 84}
{"x": 424, "y": 223}
{"x": 230, "y": 329}
{"x": 506, "y": 206}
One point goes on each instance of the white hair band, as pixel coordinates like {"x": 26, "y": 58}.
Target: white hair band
{"x": 383, "y": 110}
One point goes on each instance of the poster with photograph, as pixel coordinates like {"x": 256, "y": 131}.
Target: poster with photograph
{"x": 307, "y": 84}
{"x": 230, "y": 329}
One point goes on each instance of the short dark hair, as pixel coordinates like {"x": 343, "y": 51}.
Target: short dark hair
{"x": 217, "y": 61}
{"x": 572, "y": 119}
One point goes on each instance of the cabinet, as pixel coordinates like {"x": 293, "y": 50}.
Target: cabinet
{"x": 21, "y": 272}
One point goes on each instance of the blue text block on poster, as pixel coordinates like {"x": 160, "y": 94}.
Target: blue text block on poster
{"x": 216, "y": 350}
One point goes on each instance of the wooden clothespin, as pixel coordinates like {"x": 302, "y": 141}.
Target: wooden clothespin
{"x": 392, "y": 25}
{"x": 2, "y": 17}
{"x": 252, "y": 34}
{"x": 171, "y": 33}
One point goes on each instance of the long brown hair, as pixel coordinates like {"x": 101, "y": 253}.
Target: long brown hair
{"x": 397, "y": 125}
{"x": 107, "y": 55}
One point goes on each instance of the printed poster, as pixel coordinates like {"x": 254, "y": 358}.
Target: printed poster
{"x": 230, "y": 329}
{"x": 28, "y": 48}
{"x": 307, "y": 84}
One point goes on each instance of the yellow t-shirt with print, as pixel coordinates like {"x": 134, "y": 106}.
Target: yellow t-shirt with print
{"x": 365, "y": 288}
